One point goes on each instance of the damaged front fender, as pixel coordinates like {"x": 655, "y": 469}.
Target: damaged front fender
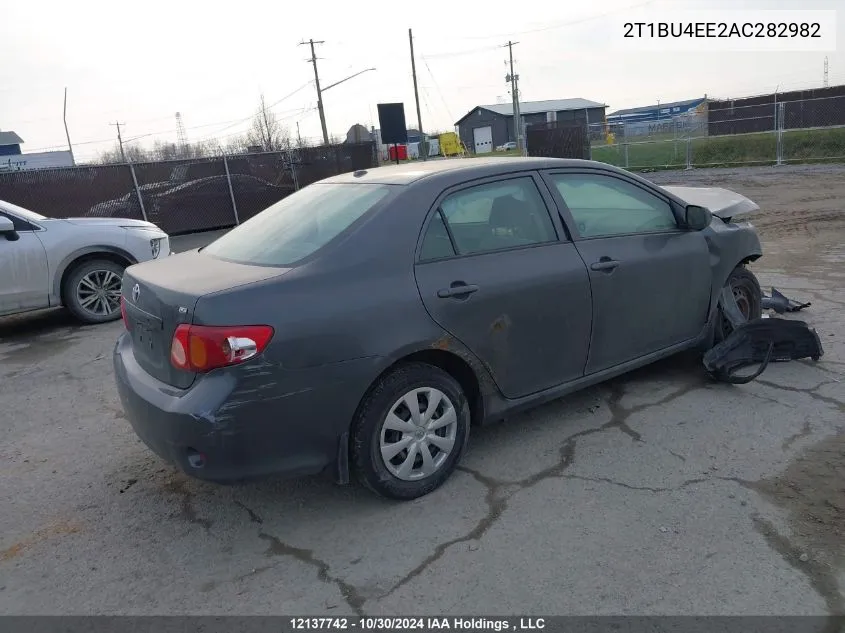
{"x": 730, "y": 245}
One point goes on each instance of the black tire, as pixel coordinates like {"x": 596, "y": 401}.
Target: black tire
{"x": 70, "y": 298}
{"x": 366, "y": 459}
{"x": 749, "y": 298}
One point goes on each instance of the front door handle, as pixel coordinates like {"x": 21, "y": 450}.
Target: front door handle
{"x": 457, "y": 289}
{"x": 605, "y": 263}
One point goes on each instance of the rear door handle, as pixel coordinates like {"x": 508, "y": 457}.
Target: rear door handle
{"x": 604, "y": 264}
{"x": 457, "y": 289}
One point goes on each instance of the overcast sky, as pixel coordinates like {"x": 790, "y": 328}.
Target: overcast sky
{"x": 140, "y": 62}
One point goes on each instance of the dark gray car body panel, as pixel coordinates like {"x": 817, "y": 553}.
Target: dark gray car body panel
{"x": 343, "y": 318}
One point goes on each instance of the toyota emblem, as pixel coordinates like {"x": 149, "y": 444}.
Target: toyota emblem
{"x": 136, "y": 291}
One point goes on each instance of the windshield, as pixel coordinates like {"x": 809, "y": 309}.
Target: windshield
{"x": 298, "y": 225}
{"x": 23, "y": 214}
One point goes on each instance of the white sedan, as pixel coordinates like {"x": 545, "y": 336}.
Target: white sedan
{"x": 77, "y": 263}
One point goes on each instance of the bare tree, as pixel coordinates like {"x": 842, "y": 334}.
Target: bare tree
{"x": 236, "y": 145}
{"x": 109, "y": 156}
{"x": 267, "y": 134}
{"x": 165, "y": 150}
{"x": 134, "y": 153}
{"x": 303, "y": 142}
{"x": 266, "y": 131}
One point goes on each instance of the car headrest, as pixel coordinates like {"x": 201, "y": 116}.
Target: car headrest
{"x": 509, "y": 212}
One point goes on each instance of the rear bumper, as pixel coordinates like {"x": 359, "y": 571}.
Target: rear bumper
{"x": 244, "y": 422}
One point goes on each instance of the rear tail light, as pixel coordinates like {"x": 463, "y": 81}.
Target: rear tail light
{"x": 201, "y": 348}
{"x": 123, "y": 316}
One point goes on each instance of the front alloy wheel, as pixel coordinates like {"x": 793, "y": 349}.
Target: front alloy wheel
{"x": 92, "y": 291}
{"x": 98, "y": 293}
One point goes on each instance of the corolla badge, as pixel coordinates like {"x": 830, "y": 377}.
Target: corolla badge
{"x": 136, "y": 291}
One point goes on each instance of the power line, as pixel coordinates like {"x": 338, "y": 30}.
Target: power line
{"x": 437, "y": 87}
{"x": 196, "y": 127}
{"x": 54, "y": 147}
{"x": 296, "y": 114}
{"x": 426, "y": 103}
{"x": 233, "y": 122}
{"x": 561, "y": 25}
{"x": 271, "y": 106}
{"x": 471, "y": 51}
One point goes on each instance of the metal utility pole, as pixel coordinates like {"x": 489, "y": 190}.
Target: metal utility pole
{"x": 298, "y": 136}
{"x": 120, "y": 140}
{"x": 67, "y": 134}
{"x": 517, "y": 116}
{"x": 313, "y": 60}
{"x": 131, "y": 171}
{"x": 423, "y": 144}
{"x": 825, "y": 72}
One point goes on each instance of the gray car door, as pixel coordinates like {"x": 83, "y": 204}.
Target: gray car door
{"x": 495, "y": 270}
{"x": 650, "y": 279}
{"x": 24, "y": 278}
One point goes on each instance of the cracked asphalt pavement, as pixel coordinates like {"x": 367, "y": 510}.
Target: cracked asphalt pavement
{"x": 660, "y": 492}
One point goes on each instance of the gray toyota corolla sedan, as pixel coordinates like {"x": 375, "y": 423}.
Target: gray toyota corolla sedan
{"x": 366, "y": 322}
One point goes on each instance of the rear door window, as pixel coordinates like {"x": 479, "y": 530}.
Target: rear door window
{"x": 498, "y": 215}
{"x": 299, "y": 225}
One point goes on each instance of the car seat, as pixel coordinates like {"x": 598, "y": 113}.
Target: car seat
{"x": 511, "y": 223}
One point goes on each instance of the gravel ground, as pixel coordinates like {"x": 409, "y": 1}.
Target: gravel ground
{"x": 657, "y": 493}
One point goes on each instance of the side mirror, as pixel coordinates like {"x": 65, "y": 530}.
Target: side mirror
{"x": 7, "y": 229}
{"x": 697, "y": 218}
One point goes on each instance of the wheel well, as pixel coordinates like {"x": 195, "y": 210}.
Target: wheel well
{"x": 116, "y": 258}
{"x": 456, "y": 367}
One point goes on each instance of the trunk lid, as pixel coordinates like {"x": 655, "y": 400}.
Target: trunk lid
{"x": 159, "y": 295}
{"x": 723, "y": 203}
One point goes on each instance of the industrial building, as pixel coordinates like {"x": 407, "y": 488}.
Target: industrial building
{"x": 689, "y": 115}
{"x": 486, "y": 127}
{"x": 12, "y": 159}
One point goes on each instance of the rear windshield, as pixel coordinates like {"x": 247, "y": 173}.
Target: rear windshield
{"x": 298, "y": 225}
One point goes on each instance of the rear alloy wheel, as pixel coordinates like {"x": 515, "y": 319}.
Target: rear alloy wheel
{"x": 92, "y": 291}
{"x": 748, "y": 296}
{"x": 410, "y": 432}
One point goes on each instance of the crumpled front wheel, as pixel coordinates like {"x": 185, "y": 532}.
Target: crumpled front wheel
{"x": 749, "y": 300}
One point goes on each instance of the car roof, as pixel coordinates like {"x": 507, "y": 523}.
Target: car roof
{"x": 468, "y": 168}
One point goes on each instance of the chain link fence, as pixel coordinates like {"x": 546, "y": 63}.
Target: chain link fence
{"x": 182, "y": 196}
{"x": 727, "y": 134}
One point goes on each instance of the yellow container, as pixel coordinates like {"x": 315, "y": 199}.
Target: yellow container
{"x": 450, "y": 144}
